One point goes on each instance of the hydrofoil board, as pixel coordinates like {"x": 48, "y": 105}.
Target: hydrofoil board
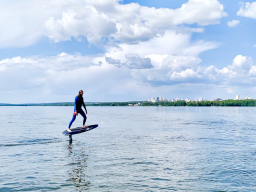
{"x": 79, "y": 130}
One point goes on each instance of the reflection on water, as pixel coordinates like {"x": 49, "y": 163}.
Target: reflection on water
{"x": 77, "y": 159}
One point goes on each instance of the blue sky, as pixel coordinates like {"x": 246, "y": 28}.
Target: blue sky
{"x": 126, "y": 50}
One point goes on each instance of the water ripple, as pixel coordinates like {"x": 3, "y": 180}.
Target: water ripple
{"x": 32, "y": 142}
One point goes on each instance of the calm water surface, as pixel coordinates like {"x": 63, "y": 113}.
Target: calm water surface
{"x": 133, "y": 149}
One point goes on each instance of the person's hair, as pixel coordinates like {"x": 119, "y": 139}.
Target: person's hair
{"x": 80, "y": 93}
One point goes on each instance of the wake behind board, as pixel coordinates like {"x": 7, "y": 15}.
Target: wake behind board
{"x": 79, "y": 130}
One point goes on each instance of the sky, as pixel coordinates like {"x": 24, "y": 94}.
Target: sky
{"x": 126, "y": 50}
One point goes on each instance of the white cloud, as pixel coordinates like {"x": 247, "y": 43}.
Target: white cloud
{"x": 21, "y": 23}
{"x": 61, "y": 62}
{"x": 64, "y": 73}
{"x": 133, "y": 61}
{"x": 27, "y": 21}
{"x": 130, "y": 23}
{"x": 85, "y": 21}
{"x": 183, "y": 75}
{"x": 254, "y": 45}
{"x": 171, "y": 43}
{"x": 242, "y": 62}
{"x": 247, "y": 10}
{"x": 241, "y": 65}
{"x": 242, "y": 71}
{"x": 172, "y": 62}
{"x": 168, "y": 59}
{"x": 202, "y": 12}
{"x": 172, "y": 53}
{"x": 233, "y": 23}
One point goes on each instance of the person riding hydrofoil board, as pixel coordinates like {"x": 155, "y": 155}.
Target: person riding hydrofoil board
{"x": 79, "y": 102}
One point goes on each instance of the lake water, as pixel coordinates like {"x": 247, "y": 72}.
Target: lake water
{"x": 133, "y": 149}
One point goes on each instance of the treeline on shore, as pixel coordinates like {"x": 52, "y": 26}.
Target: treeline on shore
{"x": 112, "y": 104}
{"x": 72, "y": 104}
{"x": 39, "y": 104}
{"x": 223, "y": 103}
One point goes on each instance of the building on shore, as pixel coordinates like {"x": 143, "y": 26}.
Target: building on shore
{"x": 237, "y": 97}
{"x": 158, "y": 99}
{"x": 162, "y": 99}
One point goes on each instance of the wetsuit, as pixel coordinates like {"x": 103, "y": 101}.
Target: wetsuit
{"x": 79, "y": 101}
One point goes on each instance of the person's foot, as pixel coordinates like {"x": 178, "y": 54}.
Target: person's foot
{"x": 84, "y": 126}
{"x": 69, "y": 130}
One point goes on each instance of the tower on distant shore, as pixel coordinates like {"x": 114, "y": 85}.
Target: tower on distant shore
{"x": 248, "y": 97}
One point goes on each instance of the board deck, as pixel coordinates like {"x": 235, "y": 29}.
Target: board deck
{"x": 79, "y": 130}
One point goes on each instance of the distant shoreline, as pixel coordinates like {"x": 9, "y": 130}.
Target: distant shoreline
{"x": 223, "y": 103}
